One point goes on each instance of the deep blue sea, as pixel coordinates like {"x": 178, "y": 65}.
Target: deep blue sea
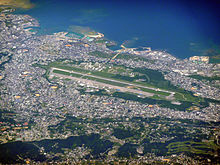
{"x": 182, "y": 28}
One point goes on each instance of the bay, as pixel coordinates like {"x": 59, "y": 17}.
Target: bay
{"x": 182, "y": 28}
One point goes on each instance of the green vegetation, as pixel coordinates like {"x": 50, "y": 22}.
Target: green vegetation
{"x": 154, "y": 78}
{"x": 137, "y": 132}
{"x": 127, "y": 150}
{"x": 157, "y": 97}
{"x": 122, "y": 133}
{"x": 112, "y": 76}
{"x": 10, "y": 151}
{"x": 187, "y": 96}
{"x": 205, "y": 148}
{"x": 133, "y": 57}
{"x": 90, "y": 78}
{"x": 118, "y": 77}
{"x": 29, "y": 150}
{"x": 72, "y": 69}
{"x": 105, "y": 81}
{"x": 101, "y": 54}
{"x": 156, "y": 92}
{"x": 120, "y": 56}
{"x": 157, "y": 148}
{"x": 139, "y": 76}
{"x": 163, "y": 103}
{"x": 199, "y": 77}
{"x": 66, "y": 73}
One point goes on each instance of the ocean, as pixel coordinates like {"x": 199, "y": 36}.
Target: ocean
{"x": 182, "y": 28}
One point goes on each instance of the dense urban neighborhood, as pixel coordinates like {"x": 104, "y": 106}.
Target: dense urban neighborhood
{"x": 70, "y": 98}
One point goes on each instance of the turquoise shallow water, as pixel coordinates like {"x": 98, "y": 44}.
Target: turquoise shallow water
{"x": 169, "y": 25}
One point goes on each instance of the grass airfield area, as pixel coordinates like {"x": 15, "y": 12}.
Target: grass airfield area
{"x": 140, "y": 79}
